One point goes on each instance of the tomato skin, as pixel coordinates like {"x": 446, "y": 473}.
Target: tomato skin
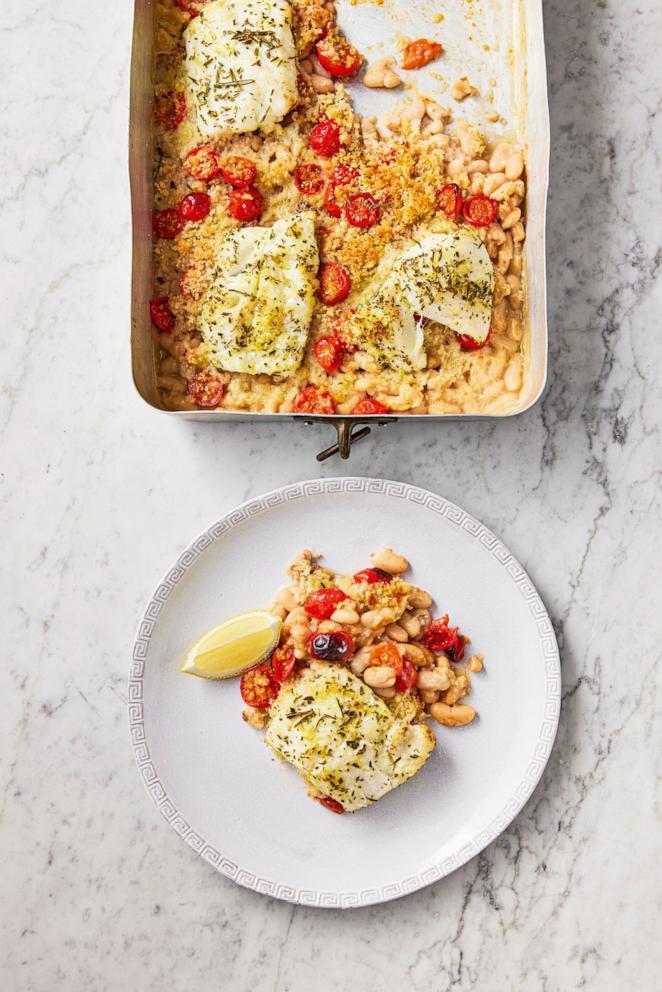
{"x": 331, "y": 804}
{"x": 467, "y": 343}
{"x": 203, "y": 163}
{"x": 167, "y": 223}
{"x": 206, "y": 388}
{"x": 245, "y": 205}
{"x": 449, "y": 200}
{"x": 190, "y": 7}
{"x": 479, "y": 210}
{"x": 169, "y": 110}
{"x": 421, "y": 52}
{"x": 372, "y": 575}
{"x": 386, "y": 654}
{"x": 331, "y": 205}
{"x": 406, "y": 679}
{"x": 161, "y": 314}
{"x": 439, "y": 637}
{"x": 344, "y": 174}
{"x": 324, "y": 138}
{"x": 282, "y": 664}
{"x": 312, "y": 399}
{"x": 258, "y": 687}
{"x": 330, "y": 352}
{"x": 367, "y": 406}
{"x": 323, "y": 603}
{"x": 338, "y": 646}
{"x": 361, "y": 210}
{"x": 338, "y": 57}
{"x": 240, "y": 172}
{"x": 194, "y": 207}
{"x": 309, "y": 178}
{"x": 335, "y": 283}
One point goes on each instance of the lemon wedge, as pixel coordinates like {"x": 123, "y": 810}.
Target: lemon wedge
{"x": 233, "y": 646}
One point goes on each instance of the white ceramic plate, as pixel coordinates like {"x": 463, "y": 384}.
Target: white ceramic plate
{"x": 247, "y": 814}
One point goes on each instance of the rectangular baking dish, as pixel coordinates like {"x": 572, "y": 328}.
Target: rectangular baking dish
{"x": 499, "y": 45}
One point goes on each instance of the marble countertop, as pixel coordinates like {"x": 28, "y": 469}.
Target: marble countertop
{"x": 99, "y": 493}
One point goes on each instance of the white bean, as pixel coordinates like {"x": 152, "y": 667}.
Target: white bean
{"x": 389, "y": 561}
{"x": 379, "y": 677}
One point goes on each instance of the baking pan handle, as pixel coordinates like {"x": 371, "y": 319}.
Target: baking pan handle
{"x": 347, "y": 436}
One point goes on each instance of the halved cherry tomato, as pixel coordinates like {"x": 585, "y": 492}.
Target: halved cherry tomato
{"x": 449, "y": 199}
{"x": 330, "y": 352}
{"x": 309, "y": 178}
{"x": 335, "y": 283}
{"x": 194, "y": 207}
{"x": 386, "y": 654}
{"x": 245, "y": 204}
{"x": 338, "y": 57}
{"x": 169, "y": 109}
{"x": 440, "y": 637}
{"x": 338, "y": 646}
{"x": 361, "y": 210}
{"x": 162, "y": 316}
{"x": 344, "y": 174}
{"x": 312, "y": 399}
{"x": 331, "y": 205}
{"x": 419, "y": 53}
{"x": 331, "y": 804}
{"x": 325, "y": 138}
{"x": 372, "y": 575}
{"x": 203, "y": 163}
{"x": 458, "y": 650}
{"x": 282, "y": 663}
{"x": 240, "y": 172}
{"x": 258, "y": 687}
{"x": 479, "y": 210}
{"x": 322, "y": 604}
{"x": 467, "y": 343}
{"x": 167, "y": 223}
{"x": 406, "y": 679}
{"x": 206, "y": 388}
{"x": 367, "y": 406}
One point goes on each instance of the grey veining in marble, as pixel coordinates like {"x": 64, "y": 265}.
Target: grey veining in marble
{"x": 99, "y": 493}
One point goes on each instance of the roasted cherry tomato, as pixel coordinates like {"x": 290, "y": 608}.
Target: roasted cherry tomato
{"x": 330, "y": 352}
{"x": 406, "y": 679}
{"x": 169, "y": 110}
{"x": 191, "y": 7}
{"x": 162, "y": 316}
{"x": 440, "y": 637}
{"x": 338, "y": 646}
{"x": 344, "y": 174}
{"x": 167, "y": 223}
{"x": 194, "y": 207}
{"x": 449, "y": 199}
{"x": 258, "y": 687}
{"x": 458, "y": 650}
{"x": 240, "y": 172}
{"x": 479, "y": 210}
{"x": 338, "y": 57}
{"x": 309, "y": 178}
{"x": 361, "y": 210}
{"x": 335, "y": 283}
{"x": 467, "y": 343}
{"x": 206, "y": 388}
{"x": 372, "y": 575}
{"x": 419, "y": 53}
{"x": 245, "y": 204}
{"x": 325, "y": 138}
{"x": 203, "y": 163}
{"x": 367, "y": 406}
{"x": 386, "y": 654}
{"x": 331, "y": 804}
{"x": 282, "y": 663}
{"x": 322, "y": 604}
{"x": 312, "y": 399}
{"x": 331, "y": 205}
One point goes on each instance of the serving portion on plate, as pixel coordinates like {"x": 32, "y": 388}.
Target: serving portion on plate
{"x": 311, "y": 259}
{"x": 360, "y": 689}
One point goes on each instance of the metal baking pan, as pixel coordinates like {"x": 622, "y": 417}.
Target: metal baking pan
{"x": 500, "y": 46}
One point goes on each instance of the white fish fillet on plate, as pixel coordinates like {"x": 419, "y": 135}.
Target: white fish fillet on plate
{"x": 343, "y": 739}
